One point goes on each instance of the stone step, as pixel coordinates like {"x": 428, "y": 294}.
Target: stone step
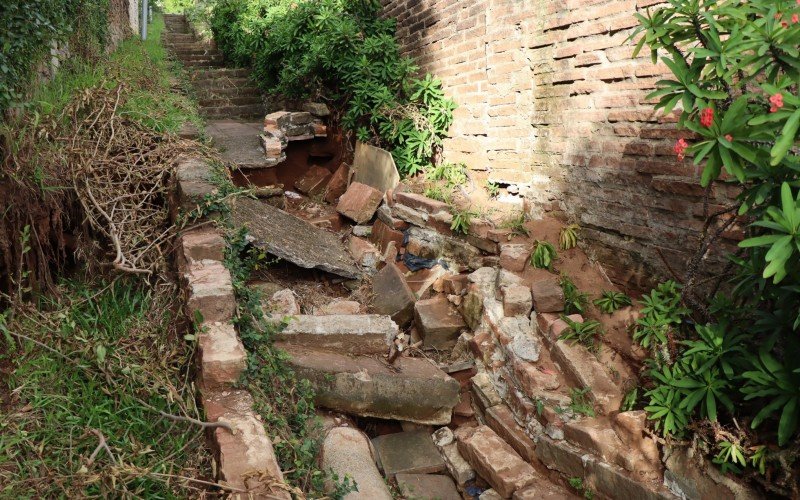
{"x": 224, "y": 86}
{"x": 203, "y": 64}
{"x": 245, "y": 111}
{"x": 411, "y": 390}
{"x": 200, "y": 58}
{"x": 217, "y": 73}
{"x": 231, "y": 101}
{"x": 196, "y": 51}
{"x": 344, "y": 333}
{"x": 230, "y": 91}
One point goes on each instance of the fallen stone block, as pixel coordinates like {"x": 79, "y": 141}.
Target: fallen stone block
{"x": 347, "y": 452}
{"x": 514, "y": 257}
{"x": 494, "y": 460}
{"x": 392, "y": 294}
{"x": 547, "y": 296}
{"x": 281, "y": 304}
{"x": 359, "y": 202}
{"x": 246, "y": 459}
{"x": 501, "y": 420}
{"x": 222, "y": 355}
{"x": 382, "y": 235}
{"x": 337, "y": 184}
{"x": 314, "y": 181}
{"x": 352, "y": 334}
{"x": 374, "y": 167}
{"x": 291, "y": 238}
{"x": 517, "y": 300}
{"x": 455, "y": 284}
{"x": 420, "y": 202}
{"x": 439, "y": 322}
{"x": 458, "y": 468}
{"x": 429, "y": 244}
{"x": 412, "y": 389}
{"x": 210, "y": 291}
{"x": 385, "y": 215}
{"x": 407, "y": 452}
{"x": 319, "y": 109}
{"x": 364, "y": 253}
{"x": 410, "y": 215}
{"x": 427, "y": 487}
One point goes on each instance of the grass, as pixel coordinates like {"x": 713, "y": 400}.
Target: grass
{"x": 143, "y": 66}
{"x": 109, "y": 347}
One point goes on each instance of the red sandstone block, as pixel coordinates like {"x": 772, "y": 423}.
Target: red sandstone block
{"x": 314, "y": 181}
{"x": 337, "y": 185}
{"x": 359, "y": 202}
{"x": 382, "y": 234}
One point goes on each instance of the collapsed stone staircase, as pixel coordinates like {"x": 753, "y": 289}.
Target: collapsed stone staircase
{"x": 222, "y": 92}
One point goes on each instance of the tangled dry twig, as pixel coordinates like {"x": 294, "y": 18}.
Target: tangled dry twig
{"x": 120, "y": 173}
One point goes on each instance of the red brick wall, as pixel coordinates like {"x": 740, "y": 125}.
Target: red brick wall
{"x": 551, "y": 97}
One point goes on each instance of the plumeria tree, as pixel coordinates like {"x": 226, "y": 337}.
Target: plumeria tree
{"x": 735, "y": 68}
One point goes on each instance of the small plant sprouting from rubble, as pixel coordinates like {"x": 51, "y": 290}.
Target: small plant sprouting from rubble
{"x": 516, "y": 224}
{"x": 543, "y": 255}
{"x": 611, "y": 301}
{"x": 568, "y": 237}
{"x": 462, "y": 220}
{"x": 575, "y": 301}
{"x": 584, "y": 333}
{"x": 580, "y": 403}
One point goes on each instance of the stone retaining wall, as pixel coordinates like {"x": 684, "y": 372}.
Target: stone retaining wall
{"x": 245, "y": 459}
{"x": 551, "y": 102}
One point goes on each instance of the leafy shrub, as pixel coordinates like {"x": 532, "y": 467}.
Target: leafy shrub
{"x": 461, "y": 221}
{"x": 611, "y": 301}
{"x": 735, "y": 69}
{"x": 341, "y": 50}
{"x": 543, "y": 255}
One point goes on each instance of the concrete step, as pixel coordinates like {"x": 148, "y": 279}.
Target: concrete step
{"x": 245, "y": 111}
{"x": 230, "y": 101}
{"x": 231, "y": 91}
{"x": 195, "y": 51}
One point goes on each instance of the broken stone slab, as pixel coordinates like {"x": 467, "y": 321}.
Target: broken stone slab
{"x": 427, "y": 487}
{"x": 690, "y": 475}
{"x": 429, "y": 244}
{"x": 347, "y": 452}
{"x": 246, "y": 459}
{"x": 239, "y": 143}
{"x": 407, "y": 452}
{"x": 291, "y": 238}
{"x": 374, "y": 167}
{"x": 501, "y": 420}
{"x": 495, "y": 460}
{"x": 412, "y": 389}
{"x": 210, "y": 291}
{"x": 352, "y": 334}
{"x": 383, "y": 236}
{"x": 385, "y": 215}
{"x": 359, "y": 202}
{"x": 584, "y": 369}
{"x": 420, "y": 202}
{"x": 410, "y": 215}
{"x": 221, "y": 354}
{"x": 392, "y": 294}
{"x": 314, "y": 181}
{"x": 438, "y": 321}
{"x": 458, "y": 468}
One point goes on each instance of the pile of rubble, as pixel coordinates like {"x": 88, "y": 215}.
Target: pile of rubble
{"x": 455, "y": 349}
{"x": 284, "y": 126}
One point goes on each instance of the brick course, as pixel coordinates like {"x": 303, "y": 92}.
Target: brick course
{"x": 550, "y": 95}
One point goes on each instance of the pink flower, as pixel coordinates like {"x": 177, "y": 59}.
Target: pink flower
{"x": 729, "y": 137}
{"x": 680, "y": 148}
{"x": 796, "y": 17}
{"x": 707, "y": 117}
{"x": 776, "y": 101}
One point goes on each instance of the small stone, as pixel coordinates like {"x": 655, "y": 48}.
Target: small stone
{"x": 407, "y": 452}
{"x": 547, "y": 296}
{"x": 458, "y": 468}
{"x": 455, "y": 284}
{"x": 514, "y": 257}
{"x": 317, "y": 109}
{"x": 443, "y": 437}
{"x": 364, "y": 252}
{"x": 439, "y": 322}
{"x": 283, "y": 303}
{"x": 359, "y": 202}
{"x": 300, "y": 118}
{"x": 490, "y": 494}
{"x": 362, "y": 231}
{"x": 339, "y": 306}
{"x": 517, "y": 300}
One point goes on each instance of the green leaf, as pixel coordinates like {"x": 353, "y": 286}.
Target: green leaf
{"x": 786, "y": 139}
